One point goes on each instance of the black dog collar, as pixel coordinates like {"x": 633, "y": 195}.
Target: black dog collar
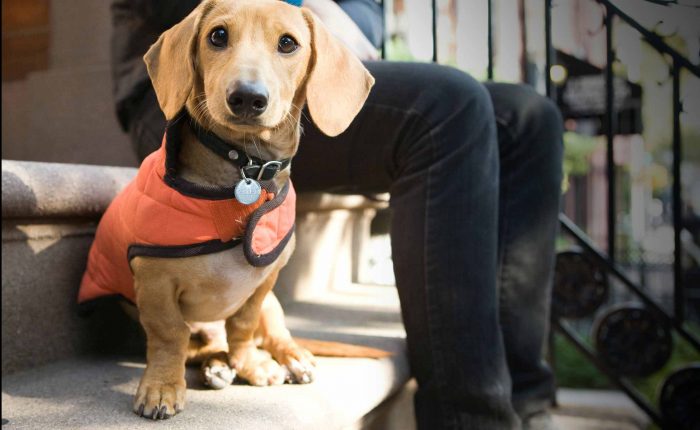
{"x": 252, "y": 167}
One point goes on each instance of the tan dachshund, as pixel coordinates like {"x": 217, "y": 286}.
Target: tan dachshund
{"x": 276, "y": 57}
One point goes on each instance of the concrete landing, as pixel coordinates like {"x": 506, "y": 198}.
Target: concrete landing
{"x": 97, "y": 393}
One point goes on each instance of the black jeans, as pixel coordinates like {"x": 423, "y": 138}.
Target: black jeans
{"x": 474, "y": 174}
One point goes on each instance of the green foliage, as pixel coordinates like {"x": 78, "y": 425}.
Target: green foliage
{"x": 397, "y": 49}
{"x": 691, "y": 144}
{"x": 573, "y": 370}
{"x": 577, "y": 151}
{"x": 683, "y": 354}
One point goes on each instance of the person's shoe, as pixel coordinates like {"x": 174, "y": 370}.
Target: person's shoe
{"x": 539, "y": 421}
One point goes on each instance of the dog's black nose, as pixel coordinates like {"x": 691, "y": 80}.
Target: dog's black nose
{"x": 248, "y": 99}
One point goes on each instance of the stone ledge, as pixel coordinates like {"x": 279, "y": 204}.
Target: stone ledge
{"x": 37, "y": 189}
{"x": 56, "y": 190}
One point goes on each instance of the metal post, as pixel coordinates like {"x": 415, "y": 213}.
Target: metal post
{"x": 548, "y": 47}
{"x": 679, "y": 292}
{"x": 551, "y": 357}
{"x": 435, "y": 50}
{"x": 610, "y": 132}
{"x": 522, "y": 21}
{"x": 489, "y": 69}
{"x": 382, "y": 48}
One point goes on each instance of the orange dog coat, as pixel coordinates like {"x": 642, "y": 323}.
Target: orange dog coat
{"x": 161, "y": 215}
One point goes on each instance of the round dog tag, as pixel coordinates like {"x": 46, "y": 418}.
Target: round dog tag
{"x": 247, "y": 191}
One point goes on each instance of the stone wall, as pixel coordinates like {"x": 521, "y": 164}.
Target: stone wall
{"x": 66, "y": 113}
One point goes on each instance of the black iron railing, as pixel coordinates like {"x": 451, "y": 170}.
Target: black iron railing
{"x": 663, "y": 416}
{"x": 648, "y": 324}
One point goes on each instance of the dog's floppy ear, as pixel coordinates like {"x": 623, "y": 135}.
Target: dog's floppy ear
{"x": 170, "y": 63}
{"x": 338, "y": 83}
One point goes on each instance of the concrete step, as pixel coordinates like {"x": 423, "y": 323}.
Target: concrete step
{"x": 578, "y": 410}
{"x": 598, "y": 410}
{"x": 96, "y": 391}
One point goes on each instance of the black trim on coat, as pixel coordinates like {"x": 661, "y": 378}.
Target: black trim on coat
{"x": 181, "y": 251}
{"x": 259, "y": 260}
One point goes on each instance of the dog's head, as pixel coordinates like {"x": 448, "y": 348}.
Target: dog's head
{"x": 248, "y": 66}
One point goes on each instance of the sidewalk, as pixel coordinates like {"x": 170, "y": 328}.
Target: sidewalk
{"x": 597, "y": 410}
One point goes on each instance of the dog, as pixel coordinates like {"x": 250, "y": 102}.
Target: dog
{"x": 231, "y": 79}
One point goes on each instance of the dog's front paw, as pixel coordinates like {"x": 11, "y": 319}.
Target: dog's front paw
{"x": 159, "y": 401}
{"x": 257, "y": 367}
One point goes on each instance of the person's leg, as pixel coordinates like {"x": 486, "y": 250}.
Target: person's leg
{"x": 427, "y": 135}
{"x": 530, "y": 146}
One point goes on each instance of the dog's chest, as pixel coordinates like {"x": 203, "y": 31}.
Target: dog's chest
{"x": 215, "y": 286}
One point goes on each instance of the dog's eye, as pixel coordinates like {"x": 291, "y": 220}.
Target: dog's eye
{"x": 287, "y": 44}
{"x": 218, "y": 37}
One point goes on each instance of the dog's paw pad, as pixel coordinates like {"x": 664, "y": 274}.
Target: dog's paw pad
{"x": 258, "y": 368}
{"x": 299, "y": 372}
{"x": 218, "y": 376}
{"x": 267, "y": 372}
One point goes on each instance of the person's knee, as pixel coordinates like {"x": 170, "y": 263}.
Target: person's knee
{"x": 531, "y": 124}
{"x": 542, "y": 137}
{"x": 446, "y": 113}
{"x": 527, "y": 115}
{"x": 435, "y": 93}
{"x": 456, "y": 109}
{"x": 454, "y": 95}
{"x": 543, "y": 115}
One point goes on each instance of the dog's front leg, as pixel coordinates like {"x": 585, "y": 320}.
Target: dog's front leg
{"x": 279, "y": 342}
{"x": 251, "y": 364}
{"x": 161, "y": 392}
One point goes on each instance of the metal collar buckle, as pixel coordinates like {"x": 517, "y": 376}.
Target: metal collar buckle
{"x": 274, "y": 165}
{"x": 261, "y": 173}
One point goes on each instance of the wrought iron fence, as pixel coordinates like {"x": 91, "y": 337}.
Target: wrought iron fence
{"x": 630, "y": 340}
{"x": 654, "y": 345}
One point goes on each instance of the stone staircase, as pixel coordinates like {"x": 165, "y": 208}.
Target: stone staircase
{"x": 64, "y": 371}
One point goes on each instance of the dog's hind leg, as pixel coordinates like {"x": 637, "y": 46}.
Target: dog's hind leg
{"x": 206, "y": 338}
{"x": 208, "y": 346}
